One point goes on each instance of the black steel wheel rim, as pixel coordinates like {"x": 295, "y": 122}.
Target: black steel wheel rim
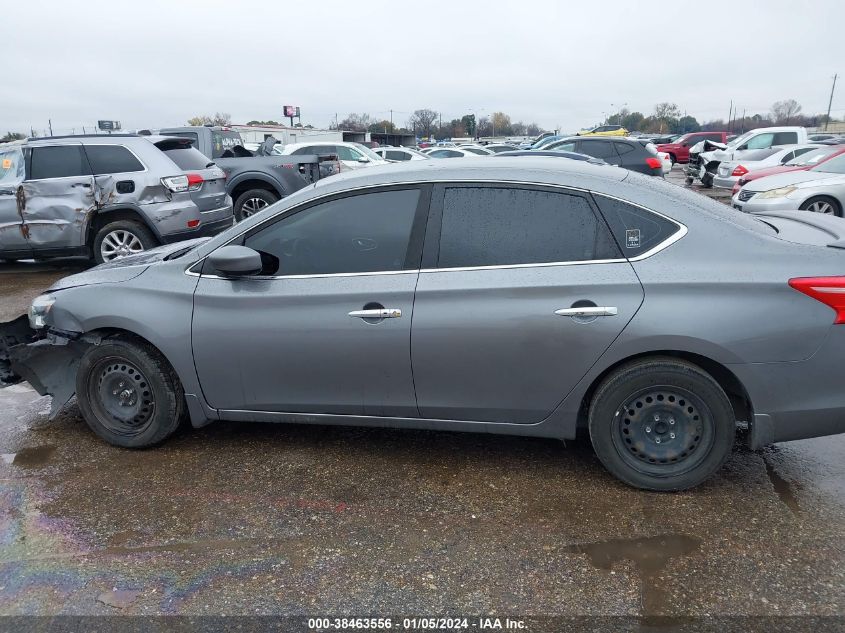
{"x": 121, "y": 396}
{"x": 663, "y": 430}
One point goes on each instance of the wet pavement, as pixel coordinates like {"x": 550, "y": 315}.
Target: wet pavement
{"x": 270, "y": 519}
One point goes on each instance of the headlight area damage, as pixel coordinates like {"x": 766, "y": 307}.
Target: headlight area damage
{"x": 47, "y": 359}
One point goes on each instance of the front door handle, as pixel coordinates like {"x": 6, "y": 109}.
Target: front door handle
{"x": 87, "y": 185}
{"x": 379, "y": 313}
{"x": 588, "y": 311}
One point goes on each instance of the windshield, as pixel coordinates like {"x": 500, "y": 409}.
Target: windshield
{"x": 545, "y": 141}
{"x": 812, "y": 157}
{"x": 739, "y": 140}
{"x": 368, "y": 152}
{"x": 11, "y": 166}
{"x": 835, "y": 165}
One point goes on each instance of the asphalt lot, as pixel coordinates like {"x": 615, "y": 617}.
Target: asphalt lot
{"x": 270, "y": 519}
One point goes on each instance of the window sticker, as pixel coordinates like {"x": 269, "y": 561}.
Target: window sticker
{"x": 632, "y": 238}
{"x": 7, "y": 163}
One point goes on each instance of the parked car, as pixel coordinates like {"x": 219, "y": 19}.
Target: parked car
{"x": 544, "y": 142}
{"x": 706, "y": 156}
{"x": 678, "y": 149}
{"x": 800, "y": 163}
{"x": 256, "y": 178}
{"x": 478, "y": 150}
{"x": 729, "y": 172}
{"x": 651, "y": 344}
{"x": 820, "y": 190}
{"x": 553, "y": 154}
{"x": 498, "y": 148}
{"x": 666, "y": 162}
{"x": 633, "y": 154}
{"x": 351, "y": 155}
{"x": 101, "y": 196}
{"x": 400, "y": 154}
{"x": 604, "y": 130}
{"x": 453, "y": 152}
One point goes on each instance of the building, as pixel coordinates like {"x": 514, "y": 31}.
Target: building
{"x": 286, "y": 134}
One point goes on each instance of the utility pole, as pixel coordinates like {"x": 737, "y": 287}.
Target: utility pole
{"x": 742, "y": 125}
{"x": 830, "y": 102}
{"x": 391, "y": 119}
{"x": 50, "y": 123}
{"x": 730, "y": 113}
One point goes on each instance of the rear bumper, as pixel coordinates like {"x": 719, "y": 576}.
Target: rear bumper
{"x": 205, "y": 229}
{"x": 725, "y": 182}
{"x": 798, "y": 400}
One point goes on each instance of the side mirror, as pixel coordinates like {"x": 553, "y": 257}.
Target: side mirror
{"x": 363, "y": 159}
{"x": 235, "y": 261}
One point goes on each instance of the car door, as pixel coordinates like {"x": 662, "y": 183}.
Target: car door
{"x": 59, "y": 193}
{"x": 326, "y": 327}
{"x": 12, "y": 231}
{"x": 522, "y": 289}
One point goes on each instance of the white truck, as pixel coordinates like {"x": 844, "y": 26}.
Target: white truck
{"x": 705, "y": 157}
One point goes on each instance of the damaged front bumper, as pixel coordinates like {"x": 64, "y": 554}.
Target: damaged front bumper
{"x": 47, "y": 359}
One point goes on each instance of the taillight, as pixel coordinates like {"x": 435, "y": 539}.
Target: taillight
{"x": 654, "y": 163}
{"x": 739, "y": 170}
{"x": 829, "y": 290}
{"x": 176, "y": 184}
{"x": 194, "y": 182}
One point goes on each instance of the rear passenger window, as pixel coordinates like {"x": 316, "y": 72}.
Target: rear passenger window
{"x": 785, "y": 138}
{"x": 598, "y": 149}
{"x": 112, "y": 159}
{"x": 58, "y": 161}
{"x": 636, "y": 230}
{"x": 492, "y": 226}
{"x": 623, "y": 148}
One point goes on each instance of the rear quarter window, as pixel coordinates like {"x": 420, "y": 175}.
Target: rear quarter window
{"x": 636, "y": 230}
{"x": 187, "y": 158}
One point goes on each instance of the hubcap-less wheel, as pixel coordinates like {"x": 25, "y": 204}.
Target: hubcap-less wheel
{"x": 121, "y": 396}
{"x": 821, "y": 207}
{"x": 253, "y": 206}
{"x": 662, "y": 431}
{"x": 120, "y": 243}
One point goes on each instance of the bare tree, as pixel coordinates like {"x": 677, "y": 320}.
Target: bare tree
{"x": 219, "y": 118}
{"x": 783, "y": 111}
{"x": 423, "y": 121}
{"x": 355, "y": 122}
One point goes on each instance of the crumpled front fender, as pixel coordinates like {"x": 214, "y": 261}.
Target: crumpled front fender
{"x": 47, "y": 361}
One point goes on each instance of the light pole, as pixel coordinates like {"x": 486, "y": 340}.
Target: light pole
{"x": 619, "y": 113}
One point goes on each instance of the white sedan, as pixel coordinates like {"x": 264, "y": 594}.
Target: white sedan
{"x": 730, "y": 172}
{"x": 458, "y": 152}
{"x": 350, "y": 155}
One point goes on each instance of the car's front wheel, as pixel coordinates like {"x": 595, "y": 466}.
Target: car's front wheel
{"x": 128, "y": 393}
{"x": 822, "y": 204}
{"x": 661, "y": 424}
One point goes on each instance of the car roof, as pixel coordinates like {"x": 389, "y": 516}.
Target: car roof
{"x": 101, "y": 139}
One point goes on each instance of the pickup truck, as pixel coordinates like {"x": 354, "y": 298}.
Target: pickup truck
{"x": 706, "y": 156}
{"x": 678, "y": 149}
{"x": 255, "y": 180}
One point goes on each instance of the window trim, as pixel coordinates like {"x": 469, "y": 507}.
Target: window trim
{"x": 678, "y": 235}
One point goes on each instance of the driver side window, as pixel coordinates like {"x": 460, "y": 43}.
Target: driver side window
{"x": 761, "y": 141}
{"x": 356, "y": 234}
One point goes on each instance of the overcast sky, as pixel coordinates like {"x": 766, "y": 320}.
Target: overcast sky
{"x": 152, "y": 63}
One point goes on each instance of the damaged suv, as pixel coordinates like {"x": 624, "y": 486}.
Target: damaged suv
{"x": 103, "y": 196}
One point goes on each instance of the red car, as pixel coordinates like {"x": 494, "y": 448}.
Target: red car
{"x": 679, "y": 150}
{"x": 801, "y": 163}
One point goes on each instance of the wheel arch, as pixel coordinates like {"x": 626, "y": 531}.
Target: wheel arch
{"x": 242, "y": 184}
{"x": 114, "y": 214}
{"x": 735, "y": 390}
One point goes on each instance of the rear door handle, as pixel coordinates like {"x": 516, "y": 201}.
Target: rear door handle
{"x": 87, "y": 185}
{"x": 380, "y": 313}
{"x": 588, "y": 311}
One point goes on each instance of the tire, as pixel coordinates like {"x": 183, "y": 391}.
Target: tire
{"x": 673, "y": 159}
{"x": 661, "y": 424}
{"x": 253, "y": 201}
{"x": 688, "y": 180}
{"x": 134, "y": 237}
{"x": 129, "y": 394}
{"x": 707, "y": 180}
{"x": 822, "y": 204}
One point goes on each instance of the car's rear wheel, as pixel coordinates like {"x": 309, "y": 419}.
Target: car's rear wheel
{"x": 121, "y": 238}
{"x": 822, "y": 204}
{"x": 128, "y": 393}
{"x": 252, "y": 201}
{"x": 661, "y": 424}
{"x": 672, "y": 159}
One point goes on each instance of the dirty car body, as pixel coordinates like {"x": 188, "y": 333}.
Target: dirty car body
{"x": 71, "y": 187}
{"x": 644, "y": 333}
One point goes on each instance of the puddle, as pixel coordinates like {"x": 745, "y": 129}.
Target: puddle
{"x": 32, "y": 457}
{"x": 782, "y": 487}
{"x": 119, "y": 598}
{"x": 650, "y": 555}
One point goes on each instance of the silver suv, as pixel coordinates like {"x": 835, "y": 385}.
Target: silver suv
{"x": 103, "y": 196}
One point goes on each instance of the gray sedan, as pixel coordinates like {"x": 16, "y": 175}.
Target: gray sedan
{"x": 490, "y": 296}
